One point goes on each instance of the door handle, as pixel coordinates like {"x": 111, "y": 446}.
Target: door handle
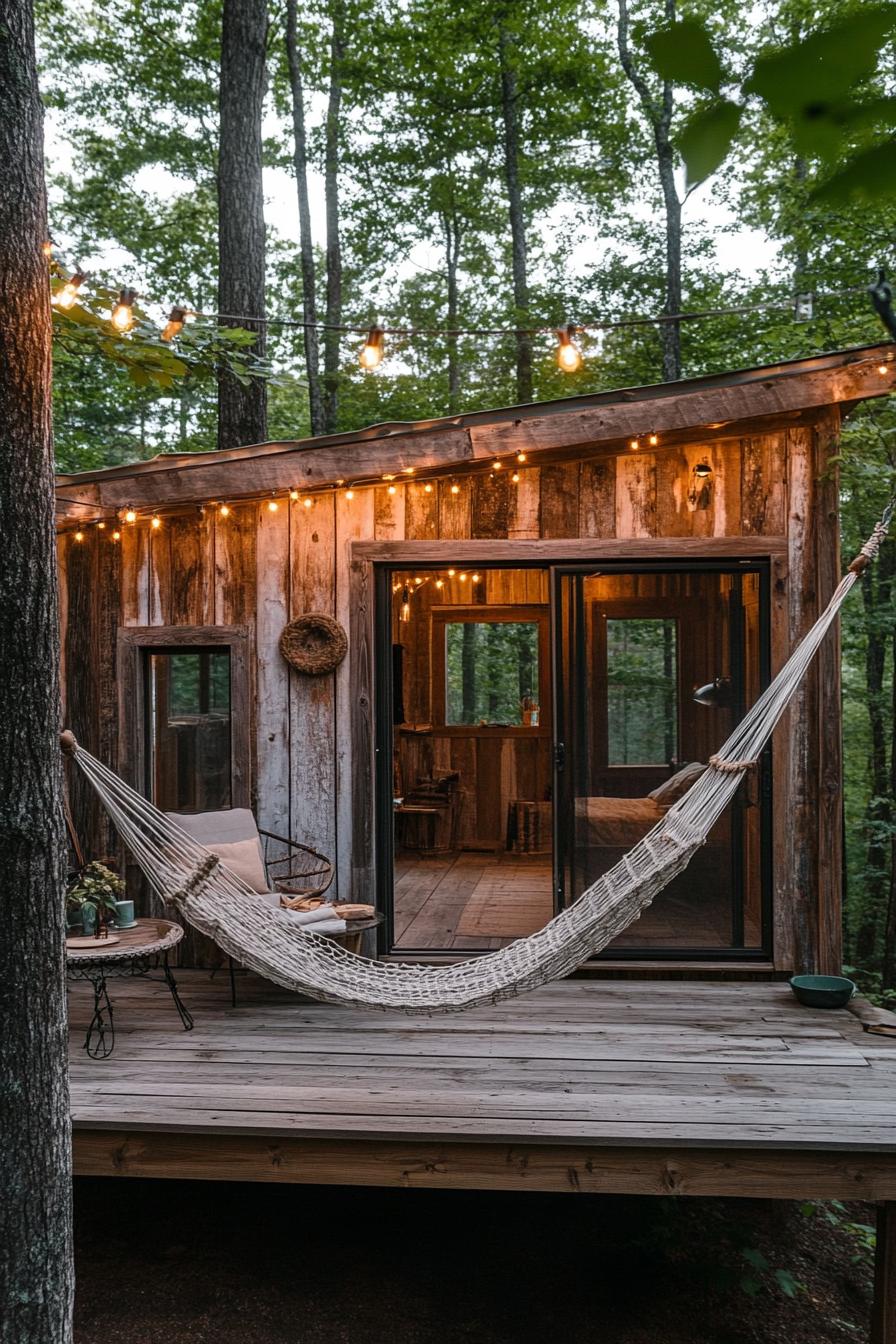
{"x": 559, "y": 755}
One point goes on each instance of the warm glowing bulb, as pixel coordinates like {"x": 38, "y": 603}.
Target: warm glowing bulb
{"x": 349, "y": 494}
{"x": 634, "y": 445}
{"x": 130, "y": 516}
{"x": 451, "y": 573}
{"x": 156, "y": 522}
{"x": 175, "y": 324}
{"x": 496, "y": 465}
{"x": 79, "y": 536}
{"x": 47, "y": 248}
{"x": 427, "y": 489}
{"x": 475, "y": 578}
{"x": 515, "y": 477}
{"x": 293, "y": 494}
{"x": 455, "y": 489}
{"x": 224, "y": 510}
{"x": 65, "y": 297}
{"x": 569, "y": 357}
{"x": 653, "y": 440}
{"x": 116, "y": 536}
{"x": 462, "y": 577}
{"x": 391, "y": 490}
{"x": 123, "y": 313}
{"x": 418, "y": 580}
{"x": 882, "y": 368}
{"x": 273, "y": 506}
{"x": 408, "y": 471}
{"x": 307, "y": 501}
{"x": 372, "y": 350}
{"x": 101, "y": 527}
{"x": 521, "y": 457}
{"x": 440, "y": 583}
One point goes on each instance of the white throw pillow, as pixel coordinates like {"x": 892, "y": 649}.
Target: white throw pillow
{"x": 677, "y": 785}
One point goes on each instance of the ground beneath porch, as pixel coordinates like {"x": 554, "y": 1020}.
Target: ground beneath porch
{"x": 172, "y": 1262}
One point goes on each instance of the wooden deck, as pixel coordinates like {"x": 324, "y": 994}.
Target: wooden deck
{"x": 659, "y": 1086}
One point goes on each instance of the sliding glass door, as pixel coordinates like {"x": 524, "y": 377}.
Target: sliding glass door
{"x": 653, "y": 667}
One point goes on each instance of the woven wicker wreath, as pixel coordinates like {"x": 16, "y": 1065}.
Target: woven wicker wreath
{"x": 314, "y": 643}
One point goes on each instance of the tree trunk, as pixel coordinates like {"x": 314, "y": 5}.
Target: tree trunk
{"x": 659, "y": 115}
{"x": 451, "y": 230}
{"x": 242, "y": 411}
{"x": 306, "y": 244}
{"x": 331, "y": 200}
{"x": 36, "y": 1274}
{"x": 511, "y": 116}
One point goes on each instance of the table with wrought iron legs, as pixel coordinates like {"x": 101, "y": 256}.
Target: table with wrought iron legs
{"x": 127, "y": 953}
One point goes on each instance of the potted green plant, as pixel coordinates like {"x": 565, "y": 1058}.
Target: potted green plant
{"x": 91, "y": 898}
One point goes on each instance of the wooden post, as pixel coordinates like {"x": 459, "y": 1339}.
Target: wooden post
{"x": 883, "y": 1311}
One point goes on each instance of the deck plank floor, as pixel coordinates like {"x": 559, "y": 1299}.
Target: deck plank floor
{"x": 730, "y": 1066}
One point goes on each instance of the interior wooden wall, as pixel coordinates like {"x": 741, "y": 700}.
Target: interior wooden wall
{"x": 258, "y": 569}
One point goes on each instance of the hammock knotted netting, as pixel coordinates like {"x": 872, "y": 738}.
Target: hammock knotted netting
{"x": 188, "y": 876}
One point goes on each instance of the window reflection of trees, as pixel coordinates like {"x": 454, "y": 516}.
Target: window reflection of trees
{"x": 491, "y": 671}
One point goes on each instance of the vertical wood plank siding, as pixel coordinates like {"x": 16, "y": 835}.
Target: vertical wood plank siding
{"x": 260, "y": 569}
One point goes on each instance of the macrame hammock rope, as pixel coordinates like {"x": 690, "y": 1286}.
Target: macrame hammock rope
{"x": 186, "y": 875}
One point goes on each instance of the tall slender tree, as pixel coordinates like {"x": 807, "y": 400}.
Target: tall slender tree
{"x": 306, "y": 241}
{"x": 510, "y": 116}
{"x": 36, "y": 1276}
{"x": 242, "y": 404}
{"x": 657, "y": 106}
{"x": 331, "y": 194}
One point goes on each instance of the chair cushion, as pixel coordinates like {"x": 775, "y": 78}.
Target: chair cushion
{"x": 233, "y": 835}
{"x": 677, "y": 785}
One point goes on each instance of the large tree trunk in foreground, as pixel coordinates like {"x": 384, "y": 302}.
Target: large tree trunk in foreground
{"x": 242, "y": 411}
{"x": 331, "y": 202}
{"x": 306, "y": 242}
{"x": 511, "y": 117}
{"x": 36, "y": 1274}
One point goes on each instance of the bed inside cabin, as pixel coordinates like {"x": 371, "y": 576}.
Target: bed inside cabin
{"x": 543, "y": 720}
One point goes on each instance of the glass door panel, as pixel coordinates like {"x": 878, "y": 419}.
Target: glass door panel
{"x": 633, "y": 648}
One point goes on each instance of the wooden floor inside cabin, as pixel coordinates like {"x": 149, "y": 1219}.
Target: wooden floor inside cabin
{"x": 596, "y": 1063}
{"x": 481, "y": 900}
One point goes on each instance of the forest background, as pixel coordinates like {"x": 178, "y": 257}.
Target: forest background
{"x": 458, "y": 168}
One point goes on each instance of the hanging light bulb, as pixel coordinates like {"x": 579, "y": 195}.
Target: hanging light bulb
{"x": 65, "y": 297}
{"x": 451, "y": 573}
{"x": 569, "y": 356}
{"x": 455, "y": 489}
{"x": 634, "y": 444}
{"x": 175, "y": 324}
{"x": 273, "y": 506}
{"x": 409, "y": 471}
{"x": 116, "y": 536}
{"x": 156, "y": 522}
{"x": 129, "y": 515}
{"x": 427, "y": 489}
{"x": 79, "y": 536}
{"x": 101, "y": 527}
{"x": 515, "y": 478}
{"x": 440, "y": 583}
{"x": 496, "y": 465}
{"x": 349, "y": 494}
{"x": 294, "y": 494}
{"x": 521, "y": 457}
{"x": 122, "y": 317}
{"x": 653, "y": 440}
{"x": 391, "y": 490}
{"x": 475, "y": 578}
{"x": 373, "y": 349}
{"x": 307, "y": 501}
{"x": 224, "y": 511}
{"x": 405, "y": 603}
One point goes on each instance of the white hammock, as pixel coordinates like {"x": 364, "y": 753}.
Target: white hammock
{"x": 187, "y": 875}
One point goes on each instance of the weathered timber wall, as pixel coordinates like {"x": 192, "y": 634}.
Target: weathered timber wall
{"x": 259, "y": 569}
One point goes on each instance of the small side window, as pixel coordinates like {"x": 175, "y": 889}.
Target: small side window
{"x": 188, "y": 729}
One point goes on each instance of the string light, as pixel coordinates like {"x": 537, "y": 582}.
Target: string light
{"x": 515, "y": 478}
{"x": 455, "y": 489}
{"x": 373, "y": 349}
{"x": 409, "y": 471}
{"x": 273, "y": 506}
{"x": 521, "y": 457}
{"x": 123, "y": 313}
{"x": 294, "y": 494}
{"x": 224, "y": 511}
{"x": 496, "y": 465}
{"x": 475, "y": 578}
{"x": 47, "y": 248}
{"x": 634, "y": 445}
{"x": 569, "y": 356}
{"x": 653, "y": 440}
{"x": 116, "y": 535}
{"x": 101, "y": 527}
{"x": 883, "y": 368}
{"x": 65, "y": 297}
{"x": 405, "y": 603}
{"x": 391, "y": 490}
{"x": 427, "y": 489}
{"x": 156, "y": 522}
{"x": 307, "y": 501}
{"x": 349, "y": 494}
{"x": 451, "y": 573}
{"x": 79, "y": 536}
{"x": 129, "y": 515}
{"x": 175, "y": 324}
{"x": 440, "y": 583}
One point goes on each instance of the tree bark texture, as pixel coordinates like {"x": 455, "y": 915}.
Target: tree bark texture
{"x": 306, "y": 243}
{"x": 331, "y": 205}
{"x": 659, "y": 114}
{"x": 36, "y": 1275}
{"x": 242, "y": 411}
{"x": 876, "y": 584}
{"x": 452, "y": 231}
{"x": 510, "y": 113}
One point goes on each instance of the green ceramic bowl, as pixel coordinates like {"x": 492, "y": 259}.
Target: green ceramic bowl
{"x": 823, "y": 991}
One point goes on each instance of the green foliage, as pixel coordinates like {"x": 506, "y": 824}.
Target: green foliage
{"x": 95, "y": 888}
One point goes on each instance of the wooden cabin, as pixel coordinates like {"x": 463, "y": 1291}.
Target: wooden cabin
{"x": 531, "y": 597}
